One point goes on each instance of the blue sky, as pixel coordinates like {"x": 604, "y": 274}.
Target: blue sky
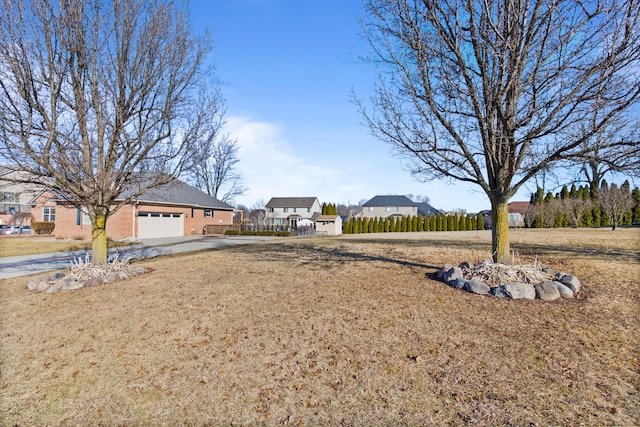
{"x": 287, "y": 69}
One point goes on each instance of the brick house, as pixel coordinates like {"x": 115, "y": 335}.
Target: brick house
{"x": 170, "y": 210}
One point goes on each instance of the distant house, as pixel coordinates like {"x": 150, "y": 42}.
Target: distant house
{"x": 15, "y": 197}
{"x": 330, "y": 225}
{"x": 292, "y": 212}
{"x": 425, "y": 209}
{"x": 517, "y": 212}
{"x": 170, "y": 210}
{"x": 385, "y": 206}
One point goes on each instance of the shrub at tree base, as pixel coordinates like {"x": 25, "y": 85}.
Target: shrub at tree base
{"x": 510, "y": 281}
{"x": 43, "y": 227}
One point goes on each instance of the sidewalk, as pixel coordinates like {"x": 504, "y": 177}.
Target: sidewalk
{"x": 29, "y": 264}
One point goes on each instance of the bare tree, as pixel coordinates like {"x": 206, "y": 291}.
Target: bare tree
{"x": 614, "y": 150}
{"x": 102, "y": 97}
{"x": 616, "y": 202}
{"x": 212, "y": 168}
{"x": 575, "y": 208}
{"x": 491, "y": 92}
{"x": 257, "y": 214}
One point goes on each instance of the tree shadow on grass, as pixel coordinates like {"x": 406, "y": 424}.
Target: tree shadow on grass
{"x": 318, "y": 257}
{"x": 527, "y": 249}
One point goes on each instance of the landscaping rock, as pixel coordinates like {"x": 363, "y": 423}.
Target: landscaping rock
{"x": 42, "y": 286}
{"x": 37, "y": 285}
{"x": 547, "y": 291}
{"x": 565, "y": 285}
{"x": 565, "y": 291}
{"x": 443, "y": 270}
{"x": 452, "y": 274}
{"x": 54, "y": 288}
{"x": 520, "y": 291}
{"x": 477, "y": 287}
{"x": 571, "y": 281}
{"x": 459, "y": 283}
{"x": 70, "y": 284}
{"x": 94, "y": 281}
{"x": 498, "y": 292}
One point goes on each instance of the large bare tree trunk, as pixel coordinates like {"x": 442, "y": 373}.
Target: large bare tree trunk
{"x": 500, "y": 231}
{"x": 99, "y": 240}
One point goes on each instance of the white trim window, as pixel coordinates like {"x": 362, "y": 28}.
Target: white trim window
{"x": 49, "y": 214}
{"x": 86, "y": 219}
{"x": 208, "y": 213}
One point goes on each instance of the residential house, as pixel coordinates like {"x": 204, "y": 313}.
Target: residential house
{"x": 15, "y": 197}
{"x": 386, "y": 206}
{"x": 517, "y": 211}
{"x": 330, "y": 225}
{"x": 293, "y": 212}
{"x": 425, "y": 209}
{"x": 170, "y": 210}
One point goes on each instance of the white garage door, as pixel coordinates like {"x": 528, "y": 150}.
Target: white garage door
{"x": 153, "y": 224}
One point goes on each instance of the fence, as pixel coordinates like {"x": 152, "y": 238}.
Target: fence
{"x": 221, "y": 229}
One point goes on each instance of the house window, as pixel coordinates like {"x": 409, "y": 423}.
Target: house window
{"x": 413, "y": 208}
{"x": 294, "y": 210}
{"x": 49, "y": 214}
{"x": 286, "y": 210}
{"x": 207, "y": 213}
{"x": 387, "y": 208}
{"x": 308, "y": 210}
{"x": 514, "y": 217}
{"x": 397, "y": 208}
{"x": 370, "y": 209}
{"x": 83, "y": 217}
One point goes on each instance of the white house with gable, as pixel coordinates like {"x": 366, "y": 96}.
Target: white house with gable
{"x": 292, "y": 211}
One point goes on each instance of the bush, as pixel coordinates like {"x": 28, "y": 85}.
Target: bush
{"x": 43, "y": 227}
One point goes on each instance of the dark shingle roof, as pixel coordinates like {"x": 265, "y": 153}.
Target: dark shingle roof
{"x": 390, "y": 201}
{"x": 177, "y": 192}
{"x": 291, "y": 202}
{"x": 425, "y": 209}
{"x": 518, "y": 207}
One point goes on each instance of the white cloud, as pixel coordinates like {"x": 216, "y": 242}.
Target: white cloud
{"x": 273, "y": 167}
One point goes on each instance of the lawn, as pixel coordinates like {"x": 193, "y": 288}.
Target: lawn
{"x": 29, "y": 245}
{"x": 348, "y": 330}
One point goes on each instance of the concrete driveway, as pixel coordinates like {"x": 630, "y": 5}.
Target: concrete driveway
{"x": 149, "y": 248}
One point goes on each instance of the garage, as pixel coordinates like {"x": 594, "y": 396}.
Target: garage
{"x": 159, "y": 224}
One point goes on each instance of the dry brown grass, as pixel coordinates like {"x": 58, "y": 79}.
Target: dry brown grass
{"x": 331, "y": 331}
{"x": 29, "y": 245}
